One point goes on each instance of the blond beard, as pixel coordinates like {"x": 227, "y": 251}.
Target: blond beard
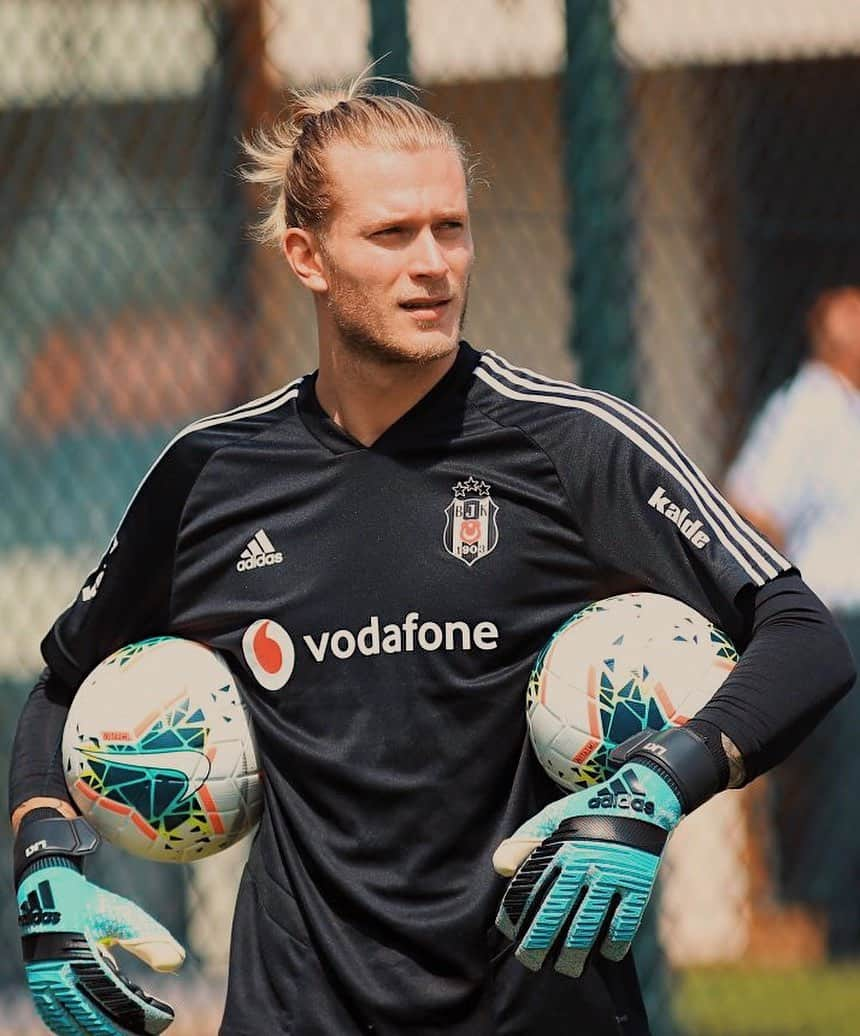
{"x": 365, "y": 339}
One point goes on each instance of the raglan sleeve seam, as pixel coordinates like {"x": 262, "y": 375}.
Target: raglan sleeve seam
{"x": 179, "y": 524}
{"x": 190, "y": 492}
{"x": 571, "y": 507}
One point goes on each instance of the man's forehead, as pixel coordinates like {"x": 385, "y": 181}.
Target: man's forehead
{"x": 375, "y": 182}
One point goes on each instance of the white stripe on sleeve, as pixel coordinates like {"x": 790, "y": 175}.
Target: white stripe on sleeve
{"x": 722, "y": 513}
{"x": 757, "y": 573}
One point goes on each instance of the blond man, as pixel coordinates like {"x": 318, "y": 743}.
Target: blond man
{"x": 439, "y": 513}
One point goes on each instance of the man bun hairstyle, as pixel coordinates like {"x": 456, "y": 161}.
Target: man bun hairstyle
{"x": 289, "y": 159}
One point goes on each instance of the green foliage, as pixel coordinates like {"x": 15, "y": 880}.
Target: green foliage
{"x": 820, "y": 1001}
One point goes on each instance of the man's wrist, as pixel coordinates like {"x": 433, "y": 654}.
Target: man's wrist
{"x": 45, "y": 835}
{"x": 65, "y": 809}
{"x": 737, "y": 767}
{"x": 684, "y": 760}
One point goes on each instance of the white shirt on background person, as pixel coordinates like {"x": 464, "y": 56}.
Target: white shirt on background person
{"x": 800, "y": 466}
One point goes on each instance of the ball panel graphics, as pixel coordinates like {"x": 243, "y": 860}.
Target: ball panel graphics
{"x": 159, "y": 754}
{"x": 615, "y": 668}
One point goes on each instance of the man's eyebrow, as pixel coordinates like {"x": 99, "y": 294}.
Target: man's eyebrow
{"x": 389, "y": 220}
{"x": 405, "y": 219}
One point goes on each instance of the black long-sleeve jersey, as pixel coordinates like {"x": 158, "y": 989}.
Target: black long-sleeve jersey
{"x": 382, "y": 607}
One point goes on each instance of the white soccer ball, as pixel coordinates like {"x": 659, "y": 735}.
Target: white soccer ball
{"x": 616, "y": 667}
{"x": 159, "y": 754}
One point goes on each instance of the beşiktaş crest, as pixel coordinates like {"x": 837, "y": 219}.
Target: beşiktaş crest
{"x": 471, "y": 531}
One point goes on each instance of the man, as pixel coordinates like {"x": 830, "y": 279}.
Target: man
{"x": 798, "y": 479}
{"x": 463, "y": 508}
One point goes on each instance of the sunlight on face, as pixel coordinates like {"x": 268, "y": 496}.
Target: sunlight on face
{"x": 397, "y": 252}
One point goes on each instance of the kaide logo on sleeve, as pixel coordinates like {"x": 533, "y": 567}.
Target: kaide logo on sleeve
{"x": 691, "y": 528}
{"x": 91, "y": 587}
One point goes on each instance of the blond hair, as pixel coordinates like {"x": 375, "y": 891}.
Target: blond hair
{"x": 288, "y": 159}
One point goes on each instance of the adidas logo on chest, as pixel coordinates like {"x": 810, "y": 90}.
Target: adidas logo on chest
{"x": 260, "y": 553}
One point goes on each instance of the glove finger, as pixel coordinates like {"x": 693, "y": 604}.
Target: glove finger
{"x": 512, "y": 854}
{"x": 542, "y": 824}
{"x": 65, "y": 1012}
{"x": 116, "y": 920}
{"x": 561, "y": 903}
{"x": 586, "y": 929}
{"x": 527, "y": 889}
{"x": 625, "y": 924}
{"x": 524, "y": 892}
{"x": 81, "y": 992}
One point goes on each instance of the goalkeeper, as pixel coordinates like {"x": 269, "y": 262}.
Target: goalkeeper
{"x": 439, "y": 512}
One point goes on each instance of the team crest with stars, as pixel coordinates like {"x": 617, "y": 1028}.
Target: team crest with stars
{"x": 471, "y": 531}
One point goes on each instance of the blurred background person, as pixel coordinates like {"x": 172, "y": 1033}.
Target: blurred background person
{"x": 797, "y": 478}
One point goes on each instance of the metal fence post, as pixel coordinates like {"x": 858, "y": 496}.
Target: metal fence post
{"x": 389, "y": 41}
{"x": 597, "y": 168}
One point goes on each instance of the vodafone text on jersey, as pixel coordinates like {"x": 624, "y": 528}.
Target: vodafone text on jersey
{"x": 270, "y": 652}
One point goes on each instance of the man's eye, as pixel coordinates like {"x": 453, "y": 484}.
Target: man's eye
{"x": 451, "y": 224}
{"x": 388, "y": 232}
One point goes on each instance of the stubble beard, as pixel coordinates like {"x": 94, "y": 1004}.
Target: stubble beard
{"x": 366, "y": 340}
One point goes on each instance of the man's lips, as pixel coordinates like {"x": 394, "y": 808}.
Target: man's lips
{"x": 425, "y": 305}
{"x": 425, "y": 308}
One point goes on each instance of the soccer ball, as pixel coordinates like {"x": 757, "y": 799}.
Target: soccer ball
{"x": 159, "y": 754}
{"x": 615, "y": 668}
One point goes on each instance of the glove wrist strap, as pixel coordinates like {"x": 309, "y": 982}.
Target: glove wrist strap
{"x": 43, "y": 836}
{"x": 682, "y": 759}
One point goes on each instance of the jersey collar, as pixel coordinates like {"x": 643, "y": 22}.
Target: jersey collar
{"x": 436, "y": 416}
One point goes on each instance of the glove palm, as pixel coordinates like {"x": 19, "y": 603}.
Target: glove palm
{"x": 584, "y": 868}
{"x": 67, "y": 923}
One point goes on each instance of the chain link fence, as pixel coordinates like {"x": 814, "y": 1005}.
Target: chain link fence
{"x": 664, "y": 189}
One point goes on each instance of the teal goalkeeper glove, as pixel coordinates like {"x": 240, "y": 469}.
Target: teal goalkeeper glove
{"x": 66, "y": 925}
{"x": 584, "y": 866}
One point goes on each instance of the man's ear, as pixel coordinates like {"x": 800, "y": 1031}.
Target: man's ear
{"x": 302, "y": 251}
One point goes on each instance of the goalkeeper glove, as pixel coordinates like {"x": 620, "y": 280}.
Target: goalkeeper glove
{"x": 66, "y": 925}
{"x": 584, "y": 866}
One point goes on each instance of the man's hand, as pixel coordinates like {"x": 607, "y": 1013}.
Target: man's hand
{"x": 66, "y": 926}
{"x": 585, "y": 867}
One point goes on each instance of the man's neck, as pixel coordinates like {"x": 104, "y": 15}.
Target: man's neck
{"x": 366, "y": 398}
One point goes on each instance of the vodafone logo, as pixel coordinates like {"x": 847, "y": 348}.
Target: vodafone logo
{"x": 269, "y": 652}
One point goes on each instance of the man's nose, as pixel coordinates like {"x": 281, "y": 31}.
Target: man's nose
{"x": 427, "y": 259}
